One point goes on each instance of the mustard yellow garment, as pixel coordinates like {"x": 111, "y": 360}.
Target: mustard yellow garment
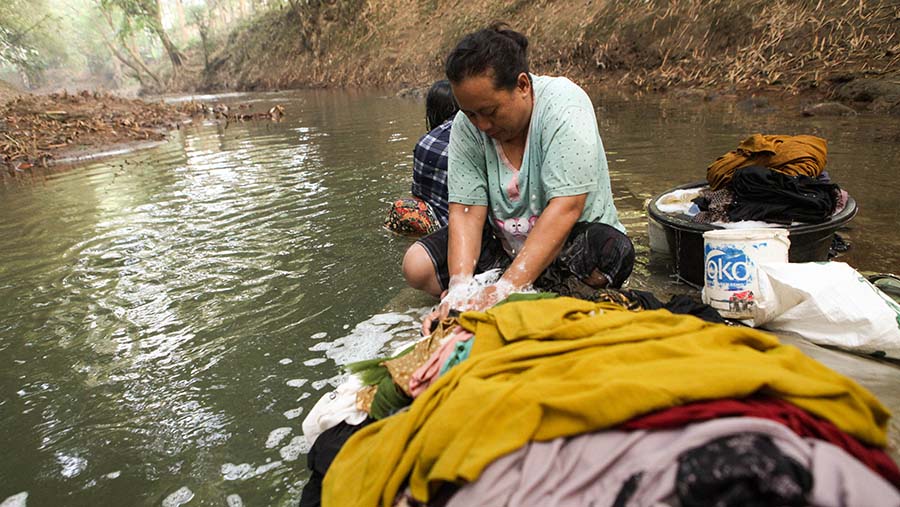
{"x": 559, "y": 367}
{"x": 791, "y": 155}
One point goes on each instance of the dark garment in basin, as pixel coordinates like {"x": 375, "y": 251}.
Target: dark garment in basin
{"x": 763, "y": 194}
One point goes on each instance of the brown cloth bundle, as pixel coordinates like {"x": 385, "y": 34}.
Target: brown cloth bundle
{"x": 791, "y": 155}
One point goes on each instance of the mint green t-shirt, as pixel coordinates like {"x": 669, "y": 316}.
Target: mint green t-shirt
{"x": 563, "y": 156}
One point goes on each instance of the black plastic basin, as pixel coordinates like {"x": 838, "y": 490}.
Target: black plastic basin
{"x": 809, "y": 242}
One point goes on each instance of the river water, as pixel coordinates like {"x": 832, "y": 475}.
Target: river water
{"x": 168, "y": 317}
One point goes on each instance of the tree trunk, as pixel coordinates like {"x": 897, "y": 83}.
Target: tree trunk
{"x": 120, "y": 57}
{"x": 138, "y": 64}
{"x": 181, "y": 21}
{"x": 140, "y": 61}
{"x": 175, "y": 56}
{"x": 204, "y": 33}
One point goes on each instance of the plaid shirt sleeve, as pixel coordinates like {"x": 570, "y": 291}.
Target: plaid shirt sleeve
{"x": 430, "y": 170}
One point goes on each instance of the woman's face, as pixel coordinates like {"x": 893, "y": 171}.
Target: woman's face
{"x": 502, "y": 114}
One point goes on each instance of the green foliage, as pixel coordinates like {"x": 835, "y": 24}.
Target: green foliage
{"x": 27, "y": 39}
{"x": 136, "y": 15}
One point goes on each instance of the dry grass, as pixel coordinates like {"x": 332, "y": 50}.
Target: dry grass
{"x": 792, "y": 45}
{"x": 648, "y": 45}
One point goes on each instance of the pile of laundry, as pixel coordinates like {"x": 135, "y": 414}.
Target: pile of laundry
{"x": 768, "y": 178}
{"x": 559, "y": 401}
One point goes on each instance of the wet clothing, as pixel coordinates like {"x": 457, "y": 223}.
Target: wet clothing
{"x": 563, "y": 156}
{"x": 677, "y": 304}
{"x": 539, "y": 370}
{"x": 791, "y": 155}
{"x": 713, "y": 205}
{"x": 751, "y": 462}
{"x": 799, "y": 421}
{"x": 430, "y": 170}
{"x": 589, "y": 246}
{"x": 742, "y": 470}
{"x": 411, "y": 217}
{"x": 320, "y": 456}
{"x": 771, "y": 196}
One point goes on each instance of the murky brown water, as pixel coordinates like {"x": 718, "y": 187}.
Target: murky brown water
{"x": 168, "y": 316}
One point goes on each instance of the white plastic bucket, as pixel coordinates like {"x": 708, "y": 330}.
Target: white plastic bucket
{"x": 730, "y": 259}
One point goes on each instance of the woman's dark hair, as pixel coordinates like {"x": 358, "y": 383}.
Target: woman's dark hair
{"x": 440, "y": 105}
{"x": 496, "y": 48}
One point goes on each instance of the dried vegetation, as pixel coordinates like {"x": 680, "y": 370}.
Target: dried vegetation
{"x": 35, "y": 129}
{"x": 643, "y": 44}
{"x": 789, "y": 44}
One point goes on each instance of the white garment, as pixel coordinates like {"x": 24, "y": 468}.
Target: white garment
{"x": 678, "y": 201}
{"x": 333, "y": 408}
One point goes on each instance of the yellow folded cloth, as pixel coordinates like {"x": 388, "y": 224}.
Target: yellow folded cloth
{"x": 791, "y": 155}
{"x": 559, "y": 367}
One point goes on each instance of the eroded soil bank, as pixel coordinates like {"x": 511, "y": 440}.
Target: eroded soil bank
{"x": 844, "y": 51}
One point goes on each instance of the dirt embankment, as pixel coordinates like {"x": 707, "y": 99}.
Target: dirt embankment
{"x": 736, "y": 46}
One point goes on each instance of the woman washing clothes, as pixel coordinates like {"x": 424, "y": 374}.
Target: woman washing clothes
{"x": 529, "y": 189}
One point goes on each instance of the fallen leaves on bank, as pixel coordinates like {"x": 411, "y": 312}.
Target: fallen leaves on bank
{"x": 34, "y": 129}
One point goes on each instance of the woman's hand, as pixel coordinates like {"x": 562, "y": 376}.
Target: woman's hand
{"x": 488, "y": 297}
{"x": 438, "y": 314}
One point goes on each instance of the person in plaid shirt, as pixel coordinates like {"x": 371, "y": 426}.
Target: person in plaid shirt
{"x": 428, "y": 211}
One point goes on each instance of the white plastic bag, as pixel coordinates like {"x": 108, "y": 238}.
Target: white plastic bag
{"x": 828, "y": 303}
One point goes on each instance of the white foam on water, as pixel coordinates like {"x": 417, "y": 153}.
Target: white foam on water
{"x": 180, "y": 497}
{"x": 265, "y": 468}
{"x": 321, "y": 346}
{"x": 17, "y": 500}
{"x": 294, "y": 413}
{"x": 244, "y": 471}
{"x": 319, "y": 336}
{"x": 234, "y": 500}
{"x": 297, "y": 446}
{"x": 297, "y": 382}
{"x": 113, "y": 475}
{"x": 276, "y": 436}
{"x": 285, "y": 361}
{"x": 71, "y": 465}
{"x": 232, "y": 472}
{"x": 368, "y": 338}
{"x": 315, "y": 361}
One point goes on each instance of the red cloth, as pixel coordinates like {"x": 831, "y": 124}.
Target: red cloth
{"x": 798, "y": 420}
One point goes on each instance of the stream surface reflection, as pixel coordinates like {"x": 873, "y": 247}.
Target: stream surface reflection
{"x": 167, "y": 317}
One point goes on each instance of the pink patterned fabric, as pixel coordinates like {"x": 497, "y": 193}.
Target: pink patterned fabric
{"x": 428, "y": 372}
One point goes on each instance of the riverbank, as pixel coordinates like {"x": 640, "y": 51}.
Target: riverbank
{"x": 63, "y": 128}
{"x": 35, "y": 130}
{"x": 823, "y": 51}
